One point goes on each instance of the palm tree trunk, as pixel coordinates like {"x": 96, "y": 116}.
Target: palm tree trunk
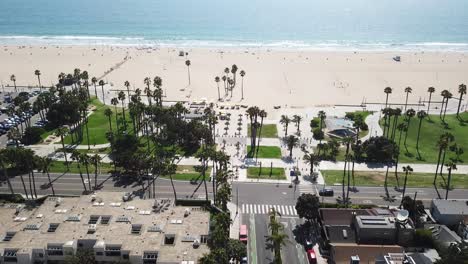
{"x": 81, "y": 176}
{"x": 404, "y": 186}
{"x": 95, "y": 90}
{"x": 417, "y": 138}
{"x": 204, "y": 179}
{"x": 87, "y": 173}
{"x": 349, "y": 179}
{"x": 406, "y": 133}
{"x": 110, "y": 124}
{"x": 30, "y": 184}
{"x": 448, "y": 183}
{"x": 386, "y": 182}
{"x": 24, "y": 186}
{"x": 437, "y": 167}
{"x": 445, "y": 110}
{"x": 64, "y": 152}
{"x": 219, "y": 96}
{"x": 5, "y": 174}
{"x": 50, "y": 182}
{"x": 459, "y": 104}
{"x": 87, "y": 132}
{"x": 429, "y": 104}
{"x": 173, "y": 187}
{"x": 442, "y": 108}
{"x": 242, "y": 88}
{"x": 343, "y": 181}
{"x": 406, "y": 102}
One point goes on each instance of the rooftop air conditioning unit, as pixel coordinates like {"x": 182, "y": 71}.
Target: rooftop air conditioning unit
{"x": 92, "y": 228}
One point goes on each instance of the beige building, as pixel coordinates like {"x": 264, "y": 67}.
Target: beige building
{"x": 137, "y": 231}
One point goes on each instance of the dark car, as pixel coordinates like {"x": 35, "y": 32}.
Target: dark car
{"x": 326, "y": 192}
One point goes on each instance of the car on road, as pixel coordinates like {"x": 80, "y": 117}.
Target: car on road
{"x": 243, "y": 234}
{"x": 326, "y": 192}
{"x": 311, "y": 256}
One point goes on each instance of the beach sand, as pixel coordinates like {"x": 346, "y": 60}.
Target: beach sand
{"x": 273, "y": 77}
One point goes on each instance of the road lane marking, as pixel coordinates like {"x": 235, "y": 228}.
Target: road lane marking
{"x": 252, "y": 241}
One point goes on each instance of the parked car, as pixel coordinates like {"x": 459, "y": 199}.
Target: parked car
{"x": 243, "y": 234}
{"x": 326, "y": 192}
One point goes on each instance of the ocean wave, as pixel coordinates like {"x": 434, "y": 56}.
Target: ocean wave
{"x": 329, "y": 45}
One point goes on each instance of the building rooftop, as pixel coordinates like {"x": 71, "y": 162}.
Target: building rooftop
{"x": 372, "y": 221}
{"x": 135, "y": 225}
{"x": 342, "y": 216}
{"x": 341, "y": 234}
{"x": 366, "y": 253}
{"x": 451, "y": 207}
{"x": 443, "y": 234}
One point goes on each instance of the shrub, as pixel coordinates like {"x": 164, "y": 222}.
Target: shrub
{"x": 314, "y": 123}
{"x": 318, "y": 134}
{"x": 32, "y": 135}
{"x": 423, "y": 238}
{"x": 380, "y": 149}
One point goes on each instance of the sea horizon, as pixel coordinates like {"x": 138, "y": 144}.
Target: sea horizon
{"x": 387, "y": 25}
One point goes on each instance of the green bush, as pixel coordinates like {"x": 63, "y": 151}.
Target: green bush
{"x": 423, "y": 238}
{"x": 318, "y": 134}
{"x": 314, "y": 123}
{"x": 32, "y": 135}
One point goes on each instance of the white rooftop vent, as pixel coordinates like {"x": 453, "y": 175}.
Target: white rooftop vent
{"x": 143, "y": 212}
{"x": 32, "y": 227}
{"x": 115, "y": 204}
{"x": 91, "y": 228}
{"x": 73, "y": 218}
{"x": 60, "y": 211}
{"x": 130, "y": 207}
{"x": 122, "y": 218}
{"x": 39, "y": 216}
{"x": 20, "y": 219}
{"x": 98, "y": 204}
{"x": 154, "y": 228}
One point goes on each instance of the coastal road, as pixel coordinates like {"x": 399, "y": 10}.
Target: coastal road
{"x": 71, "y": 184}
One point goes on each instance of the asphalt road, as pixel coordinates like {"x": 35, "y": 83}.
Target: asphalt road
{"x": 71, "y": 184}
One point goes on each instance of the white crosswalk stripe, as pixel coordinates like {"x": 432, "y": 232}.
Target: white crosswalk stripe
{"x": 286, "y": 210}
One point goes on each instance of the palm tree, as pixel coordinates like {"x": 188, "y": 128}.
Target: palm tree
{"x": 447, "y": 95}
{"x": 410, "y": 113}
{"x": 96, "y": 161}
{"x": 387, "y": 91}
{"x": 85, "y": 159}
{"x": 292, "y": 142}
{"x": 234, "y": 72}
{"x": 347, "y": 141}
{"x": 242, "y": 74}
{"x": 313, "y": 160}
{"x": 102, "y": 83}
{"x": 217, "y": 80}
{"x": 461, "y": 91}
{"x": 115, "y": 101}
{"x": 127, "y": 85}
{"x": 277, "y": 237}
{"x": 13, "y": 79}
{"x": 38, "y": 74}
{"x": 45, "y": 163}
{"x": 421, "y": 115}
{"x": 122, "y": 100}
{"x": 108, "y": 113}
{"x": 297, "y": 119}
{"x": 322, "y": 115}
{"x": 187, "y": 62}
{"x": 442, "y": 143}
{"x": 285, "y": 120}
{"x": 450, "y": 166}
{"x": 85, "y": 77}
{"x": 4, "y": 161}
{"x": 76, "y": 156}
{"x": 407, "y": 170}
{"x": 94, "y": 81}
{"x": 224, "y": 78}
{"x": 408, "y": 90}
{"x": 430, "y": 90}
{"x": 15, "y": 135}
{"x": 61, "y": 132}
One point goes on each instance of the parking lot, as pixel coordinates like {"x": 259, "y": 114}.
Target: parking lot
{"x": 14, "y": 121}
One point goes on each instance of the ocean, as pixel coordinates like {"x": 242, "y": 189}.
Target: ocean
{"x": 292, "y": 24}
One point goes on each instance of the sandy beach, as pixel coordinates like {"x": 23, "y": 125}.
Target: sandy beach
{"x": 297, "y": 78}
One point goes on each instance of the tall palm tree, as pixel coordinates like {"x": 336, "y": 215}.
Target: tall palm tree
{"x": 85, "y": 160}
{"x": 410, "y": 113}
{"x": 234, "y": 72}
{"x": 38, "y": 74}
{"x": 285, "y": 120}
{"x": 102, "y": 83}
{"x": 108, "y": 113}
{"x": 94, "y": 81}
{"x": 447, "y": 95}
{"x": 127, "y": 85}
{"x": 242, "y": 74}
{"x": 96, "y": 161}
{"x": 321, "y": 115}
{"x": 430, "y": 90}
{"x": 188, "y": 63}
{"x": 442, "y": 143}
{"x": 224, "y": 78}
{"x": 76, "y": 156}
{"x": 217, "y": 80}
{"x": 61, "y": 132}
{"x": 297, "y": 120}
{"x": 461, "y": 91}
{"x": 421, "y": 115}
{"x": 408, "y": 90}
{"x": 13, "y": 79}
{"x": 277, "y": 238}
{"x": 292, "y": 142}
{"x": 262, "y": 114}
{"x": 407, "y": 170}
{"x": 122, "y": 100}
{"x": 115, "y": 102}
{"x": 347, "y": 141}
{"x": 85, "y": 77}
{"x": 44, "y": 165}
{"x": 4, "y": 161}
{"x": 313, "y": 160}
{"x": 450, "y": 166}
{"x": 387, "y": 92}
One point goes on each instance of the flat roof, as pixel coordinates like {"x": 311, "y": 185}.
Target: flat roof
{"x": 74, "y": 214}
{"x": 373, "y": 221}
{"x": 366, "y": 253}
{"x": 451, "y": 207}
{"x": 340, "y": 216}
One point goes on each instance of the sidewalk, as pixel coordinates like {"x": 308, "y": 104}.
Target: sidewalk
{"x": 428, "y": 168}
{"x": 235, "y": 220}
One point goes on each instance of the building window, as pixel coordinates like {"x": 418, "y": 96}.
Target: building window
{"x": 136, "y": 229}
{"x": 105, "y": 219}
{"x": 53, "y": 227}
{"x": 113, "y": 251}
{"x": 204, "y": 239}
{"x": 9, "y": 236}
{"x": 10, "y": 255}
{"x": 169, "y": 239}
{"x": 93, "y": 219}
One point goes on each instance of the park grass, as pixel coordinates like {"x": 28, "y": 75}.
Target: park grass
{"x": 431, "y": 130}
{"x": 60, "y": 167}
{"x": 98, "y": 125}
{"x": 268, "y": 152}
{"x": 268, "y": 131}
{"x": 377, "y": 178}
{"x": 266, "y": 173}
{"x": 187, "y": 173}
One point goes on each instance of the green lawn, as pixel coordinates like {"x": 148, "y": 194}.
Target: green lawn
{"x": 430, "y": 133}
{"x": 187, "y": 173}
{"x": 266, "y": 173}
{"x": 98, "y": 124}
{"x": 268, "y": 131}
{"x": 368, "y": 178}
{"x": 59, "y": 166}
{"x": 268, "y": 152}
